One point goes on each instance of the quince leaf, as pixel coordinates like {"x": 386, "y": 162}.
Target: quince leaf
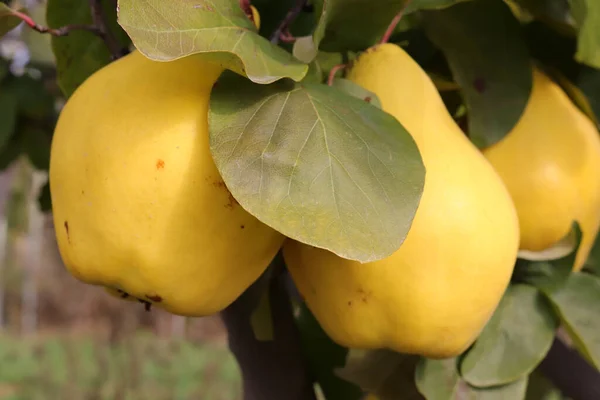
{"x": 555, "y": 51}
{"x": 8, "y": 116}
{"x": 8, "y": 20}
{"x": 341, "y": 24}
{"x": 384, "y": 373}
{"x": 357, "y": 91}
{"x": 513, "y": 342}
{"x": 80, "y": 53}
{"x": 576, "y": 304}
{"x": 323, "y": 357}
{"x": 482, "y": 43}
{"x": 440, "y": 380}
{"x": 587, "y": 16}
{"x": 219, "y": 29}
{"x": 319, "y": 166}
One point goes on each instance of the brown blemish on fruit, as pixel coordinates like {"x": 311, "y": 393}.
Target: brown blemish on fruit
{"x": 350, "y": 303}
{"x": 364, "y": 296}
{"x": 67, "y": 230}
{"x": 160, "y": 164}
{"x": 242, "y": 226}
{"x": 154, "y": 297}
{"x": 368, "y": 99}
{"x": 147, "y": 304}
{"x": 232, "y": 202}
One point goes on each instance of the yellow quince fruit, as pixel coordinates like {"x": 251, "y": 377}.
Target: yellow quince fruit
{"x": 139, "y": 206}
{"x": 550, "y": 163}
{"x": 434, "y": 295}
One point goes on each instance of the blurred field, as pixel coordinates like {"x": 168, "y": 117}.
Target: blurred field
{"x": 140, "y": 367}
{"x": 62, "y": 339}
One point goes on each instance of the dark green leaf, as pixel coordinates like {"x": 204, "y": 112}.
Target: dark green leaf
{"x": 587, "y": 15}
{"x": 10, "y": 152}
{"x": 549, "y": 275}
{"x": 439, "y": 380}
{"x": 513, "y": 342}
{"x": 81, "y": 53}
{"x": 8, "y": 21}
{"x": 8, "y": 115}
{"x": 386, "y": 374}
{"x": 44, "y": 199}
{"x": 36, "y": 144}
{"x": 322, "y": 167}
{"x": 577, "y": 306}
{"x": 352, "y": 24}
{"x": 357, "y": 91}
{"x": 33, "y": 99}
{"x": 554, "y": 13}
{"x": 593, "y": 262}
{"x": 167, "y": 30}
{"x": 261, "y": 318}
{"x": 541, "y": 388}
{"x": 489, "y": 60}
{"x": 324, "y": 356}
{"x": 430, "y": 4}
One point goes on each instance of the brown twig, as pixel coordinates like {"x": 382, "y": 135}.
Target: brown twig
{"x": 287, "y": 21}
{"x": 98, "y": 28}
{"x": 62, "y": 31}
{"x": 100, "y": 22}
{"x": 287, "y": 37}
{"x": 334, "y": 71}
{"x": 388, "y": 33}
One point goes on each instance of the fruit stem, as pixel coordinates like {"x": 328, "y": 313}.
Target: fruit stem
{"x": 392, "y": 26}
{"x": 271, "y": 369}
{"x": 334, "y": 71}
{"x": 287, "y": 21}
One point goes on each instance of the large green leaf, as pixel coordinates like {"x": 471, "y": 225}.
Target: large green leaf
{"x": 587, "y": 15}
{"x": 168, "y": 30}
{"x": 8, "y": 21}
{"x": 514, "y": 341}
{"x": 489, "y": 60}
{"x": 577, "y": 306}
{"x": 81, "y": 53}
{"x": 322, "y": 167}
{"x": 439, "y": 380}
{"x": 384, "y": 373}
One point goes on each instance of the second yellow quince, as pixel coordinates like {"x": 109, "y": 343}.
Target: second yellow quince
{"x": 550, "y": 163}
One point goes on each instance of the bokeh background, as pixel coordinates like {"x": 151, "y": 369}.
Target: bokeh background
{"x": 61, "y": 339}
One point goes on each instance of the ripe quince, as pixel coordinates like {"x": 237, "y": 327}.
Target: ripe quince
{"x": 139, "y": 206}
{"x": 550, "y": 163}
{"x": 434, "y": 295}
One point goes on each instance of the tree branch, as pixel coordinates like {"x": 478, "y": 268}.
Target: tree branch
{"x": 98, "y": 28}
{"x": 101, "y": 23}
{"x": 271, "y": 370}
{"x": 62, "y": 31}
{"x": 570, "y": 373}
{"x": 282, "y": 29}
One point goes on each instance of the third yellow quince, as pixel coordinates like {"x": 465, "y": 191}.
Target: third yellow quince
{"x": 437, "y": 291}
{"x": 550, "y": 162}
